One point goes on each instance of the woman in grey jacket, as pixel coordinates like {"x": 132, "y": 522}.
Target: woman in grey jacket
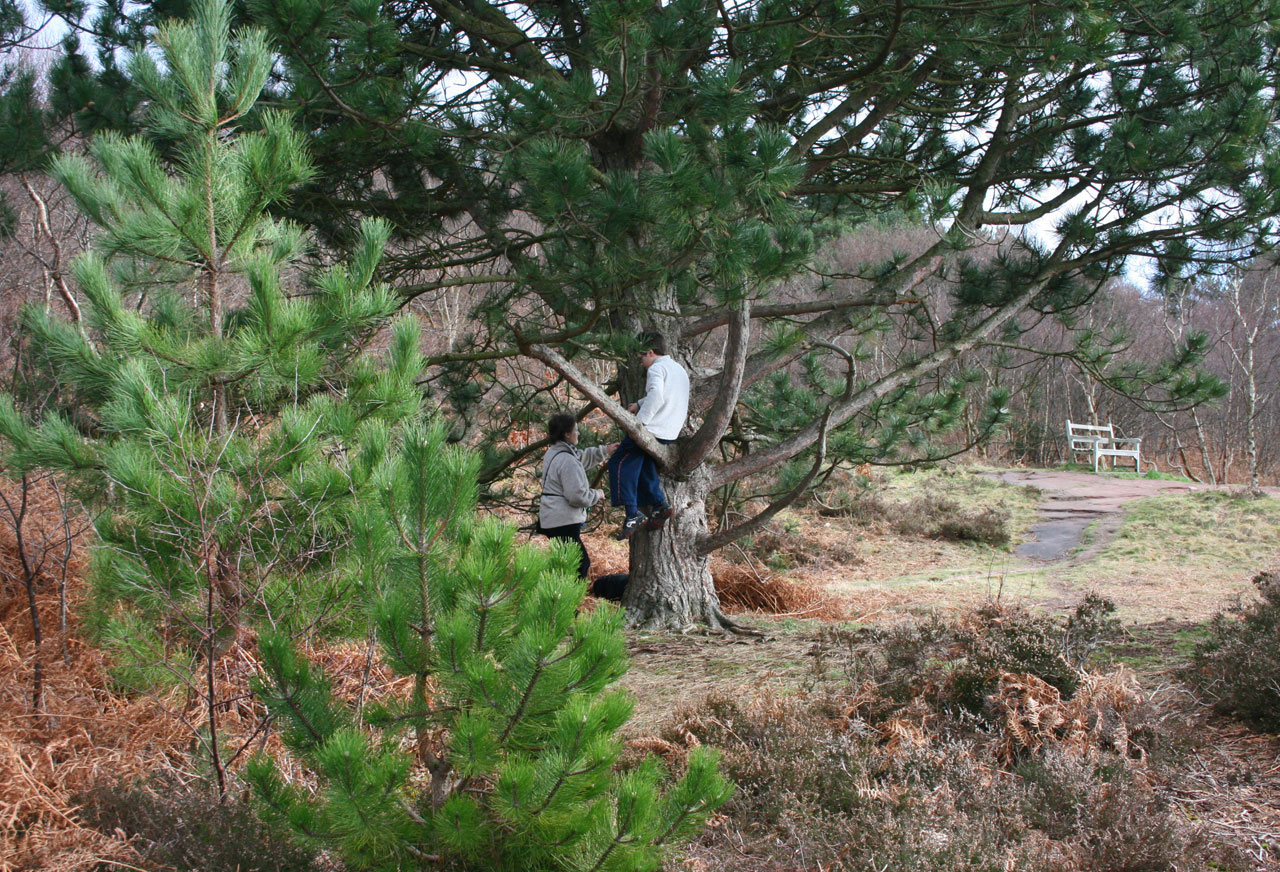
{"x": 566, "y": 493}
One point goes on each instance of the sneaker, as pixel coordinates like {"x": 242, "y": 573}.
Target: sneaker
{"x": 629, "y": 527}
{"x": 659, "y": 517}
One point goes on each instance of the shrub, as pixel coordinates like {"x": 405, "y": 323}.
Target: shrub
{"x": 859, "y": 504}
{"x": 1130, "y": 829}
{"x": 935, "y": 517}
{"x": 184, "y": 826}
{"x": 776, "y": 750}
{"x": 1110, "y": 816}
{"x": 779, "y": 545}
{"x": 1092, "y": 623}
{"x": 967, "y": 744}
{"x": 1239, "y": 664}
{"x": 1057, "y": 793}
{"x": 816, "y": 792}
{"x": 956, "y": 665}
{"x": 986, "y": 526}
{"x": 930, "y": 516}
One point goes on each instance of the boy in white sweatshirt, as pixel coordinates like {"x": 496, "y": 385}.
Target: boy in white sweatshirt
{"x": 633, "y": 474}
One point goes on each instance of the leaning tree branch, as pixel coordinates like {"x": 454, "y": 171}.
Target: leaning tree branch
{"x": 55, "y": 271}
{"x": 720, "y": 538}
{"x": 720, "y": 317}
{"x": 627, "y": 421}
{"x": 829, "y": 324}
{"x": 881, "y": 387}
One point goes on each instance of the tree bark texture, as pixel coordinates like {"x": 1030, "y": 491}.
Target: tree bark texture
{"x": 671, "y": 586}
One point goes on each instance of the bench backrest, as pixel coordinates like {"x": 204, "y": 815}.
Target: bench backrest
{"x": 1081, "y": 437}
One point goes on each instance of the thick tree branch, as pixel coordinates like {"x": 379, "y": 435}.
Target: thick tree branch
{"x": 716, "y": 420}
{"x": 721, "y": 538}
{"x": 844, "y": 410}
{"x": 485, "y": 22}
{"x": 828, "y": 325}
{"x": 55, "y": 271}
{"x": 627, "y": 421}
{"x": 786, "y": 310}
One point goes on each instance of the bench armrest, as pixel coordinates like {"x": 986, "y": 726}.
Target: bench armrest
{"x": 1126, "y": 440}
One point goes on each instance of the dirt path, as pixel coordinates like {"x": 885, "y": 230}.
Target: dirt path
{"x": 1075, "y": 500}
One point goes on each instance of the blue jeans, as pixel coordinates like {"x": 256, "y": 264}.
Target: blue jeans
{"x": 633, "y": 476}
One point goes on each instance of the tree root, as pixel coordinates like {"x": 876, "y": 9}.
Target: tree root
{"x": 713, "y": 622}
{"x": 719, "y": 622}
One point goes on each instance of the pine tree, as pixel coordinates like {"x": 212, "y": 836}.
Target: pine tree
{"x": 216, "y": 403}
{"x": 611, "y": 165}
{"x": 510, "y": 711}
{"x": 244, "y": 448}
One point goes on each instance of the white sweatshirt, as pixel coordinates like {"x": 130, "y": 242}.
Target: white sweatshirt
{"x": 666, "y": 398}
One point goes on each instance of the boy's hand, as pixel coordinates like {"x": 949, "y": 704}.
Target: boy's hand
{"x": 633, "y": 408}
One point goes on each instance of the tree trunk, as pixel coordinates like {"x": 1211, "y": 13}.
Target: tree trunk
{"x": 671, "y": 586}
{"x": 1204, "y": 448}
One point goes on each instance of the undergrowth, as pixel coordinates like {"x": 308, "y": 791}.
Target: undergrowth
{"x": 183, "y": 826}
{"x": 1238, "y": 666}
{"x": 956, "y": 664}
{"x": 990, "y": 742}
{"x": 930, "y": 515}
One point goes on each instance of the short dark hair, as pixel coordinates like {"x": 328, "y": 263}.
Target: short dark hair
{"x": 559, "y": 426}
{"x": 651, "y": 340}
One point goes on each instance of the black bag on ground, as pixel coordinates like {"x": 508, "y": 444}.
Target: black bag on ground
{"x": 610, "y": 587}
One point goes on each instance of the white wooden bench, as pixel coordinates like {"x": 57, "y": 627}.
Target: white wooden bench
{"x": 1101, "y": 441}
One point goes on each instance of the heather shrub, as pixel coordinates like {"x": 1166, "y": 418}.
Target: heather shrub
{"x": 779, "y": 546}
{"x": 935, "y": 517}
{"x": 816, "y": 790}
{"x": 184, "y": 826}
{"x": 777, "y": 751}
{"x": 951, "y": 745}
{"x": 1057, "y": 789}
{"x": 956, "y": 664}
{"x": 930, "y": 516}
{"x": 1109, "y": 815}
{"x": 1092, "y": 623}
{"x": 919, "y": 790}
{"x": 1238, "y": 666}
{"x": 1130, "y": 828}
{"x": 859, "y": 504}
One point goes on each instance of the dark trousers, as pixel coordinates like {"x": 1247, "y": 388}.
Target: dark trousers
{"x": 570, "y": 533}
{"x": 633, "y": 476}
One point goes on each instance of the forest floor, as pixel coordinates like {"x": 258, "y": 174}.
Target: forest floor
{"x": 875, "y": 554}
{"x": 1168, "y": 554}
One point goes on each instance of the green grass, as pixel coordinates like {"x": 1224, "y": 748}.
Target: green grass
{"x": 1187, "y": 639}
{"x": 1213, "y": 529}
{"x": 1150, "y": 475}
{"x": 1157, "y": 647}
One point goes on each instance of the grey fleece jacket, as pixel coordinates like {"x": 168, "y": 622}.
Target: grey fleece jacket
{"x": 566, "y": 495}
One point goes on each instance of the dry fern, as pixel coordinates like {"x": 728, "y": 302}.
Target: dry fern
{"x": 1034, "y": 716}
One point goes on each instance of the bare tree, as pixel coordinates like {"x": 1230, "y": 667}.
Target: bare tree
{"x": 39, "y": 518}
